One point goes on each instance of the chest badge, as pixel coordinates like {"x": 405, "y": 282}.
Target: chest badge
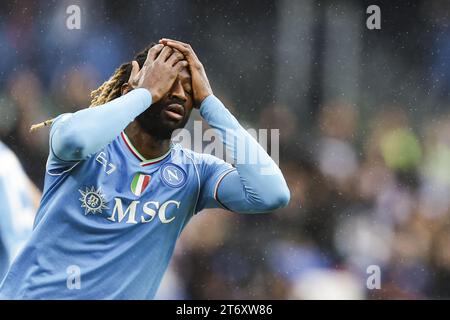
{"x": 93, "y": 201}
{"x": 140, "y": 183}
{"x": 173, "y": 175}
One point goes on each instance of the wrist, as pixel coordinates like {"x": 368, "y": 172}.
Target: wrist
{"x": 208, "y": 103}
{"x": 202, "y": 98}
{"x": 145, "y": 94}
{"x": 156, "y": 95}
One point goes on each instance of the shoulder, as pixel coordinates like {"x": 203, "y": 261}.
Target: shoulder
{"x": 4, "y": 150}
{"x": 206, "y": 165}
{"x": 8, "y": 158}
{"x": 11, "y": 170}
{"x": 59, "y": 119}
{"x": 199, "y": 159}
{"x": 3, "y": 147}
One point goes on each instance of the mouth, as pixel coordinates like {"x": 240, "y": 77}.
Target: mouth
{"x": 174, "y": 111}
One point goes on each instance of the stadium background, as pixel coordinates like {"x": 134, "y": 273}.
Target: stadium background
{"x": 364, "y": 132}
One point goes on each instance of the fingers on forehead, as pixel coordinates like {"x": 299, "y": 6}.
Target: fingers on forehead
{"x": 166, "y": 52}
{"x": 153, "y": 52}
{"x": 167, "y": 49}
{"x": 156, "y": 47}
{"x": 182, "y": 48}
{"x": 176, "y": 41}
{"x": 176, "y": 45}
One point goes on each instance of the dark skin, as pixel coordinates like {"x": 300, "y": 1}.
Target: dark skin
{"x": 153, "y": 144}
{"x": 178, "y": 83}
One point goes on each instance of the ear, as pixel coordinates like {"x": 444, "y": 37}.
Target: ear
{"x": 125, "y": 88}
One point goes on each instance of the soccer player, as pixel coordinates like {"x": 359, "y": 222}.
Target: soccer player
{"x": 19, "y": 200}
{"x": 118, "y": 192}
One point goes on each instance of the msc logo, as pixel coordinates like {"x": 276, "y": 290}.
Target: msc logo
{"x": 92, "y": 200}
{"x": 149, "y": 211}
{"x": 173, "y": 175}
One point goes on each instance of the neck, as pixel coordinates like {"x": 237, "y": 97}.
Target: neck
{"x": 148, "y": 146}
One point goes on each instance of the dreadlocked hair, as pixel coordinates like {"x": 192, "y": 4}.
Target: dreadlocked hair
{"x": 110, "y": 89}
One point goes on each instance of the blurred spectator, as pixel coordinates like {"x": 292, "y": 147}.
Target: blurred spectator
{"x": 20, "y": 200}
{"x": 336, "y": 155}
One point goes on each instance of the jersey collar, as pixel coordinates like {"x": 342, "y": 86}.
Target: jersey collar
{"x": 141, "y": 158}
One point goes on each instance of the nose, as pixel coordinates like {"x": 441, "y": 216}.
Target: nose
{"x": 178, "y": 92}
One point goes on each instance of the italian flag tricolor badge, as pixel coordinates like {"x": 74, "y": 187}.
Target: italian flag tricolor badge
{"x": 139, "y": 183}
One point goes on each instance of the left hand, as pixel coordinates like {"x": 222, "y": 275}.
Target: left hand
{"x": 200, "y": 84}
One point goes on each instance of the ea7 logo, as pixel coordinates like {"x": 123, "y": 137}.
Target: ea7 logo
{"x": 149, "y": 211}
{"x": 107, "y": 166}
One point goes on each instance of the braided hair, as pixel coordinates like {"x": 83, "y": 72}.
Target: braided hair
{"x": 110, "y": 89}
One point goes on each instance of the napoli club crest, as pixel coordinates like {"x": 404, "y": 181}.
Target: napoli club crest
{"x": 172, "y": 175}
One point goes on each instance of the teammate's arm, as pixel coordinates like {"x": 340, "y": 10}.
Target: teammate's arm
{"x": 75, "y": 136}
{"x": 255, "y": 186}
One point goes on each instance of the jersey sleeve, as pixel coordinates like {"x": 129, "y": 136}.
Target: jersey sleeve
{"x": 212, "y": 171}
{"x": 257, "y": 185}
{"x": 78, "y": 135}
{"x": 55, "y": 165}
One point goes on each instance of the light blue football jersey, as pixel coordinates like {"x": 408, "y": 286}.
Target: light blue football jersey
{"x": 107, "y": 225}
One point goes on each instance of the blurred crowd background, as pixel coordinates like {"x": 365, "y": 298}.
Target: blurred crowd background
{"x": 364, "y": 125}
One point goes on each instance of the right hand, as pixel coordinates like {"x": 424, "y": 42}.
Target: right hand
{"x": 159, "y": 72}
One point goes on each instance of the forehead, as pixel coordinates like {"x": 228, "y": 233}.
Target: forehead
{"x": 185, "y": 74}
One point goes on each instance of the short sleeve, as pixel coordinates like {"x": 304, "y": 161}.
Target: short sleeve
{"x": 212, "y": 171}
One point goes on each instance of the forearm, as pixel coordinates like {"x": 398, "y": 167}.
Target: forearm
{"x": 82, "y": 133}
{"x": 258, "y": 185}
